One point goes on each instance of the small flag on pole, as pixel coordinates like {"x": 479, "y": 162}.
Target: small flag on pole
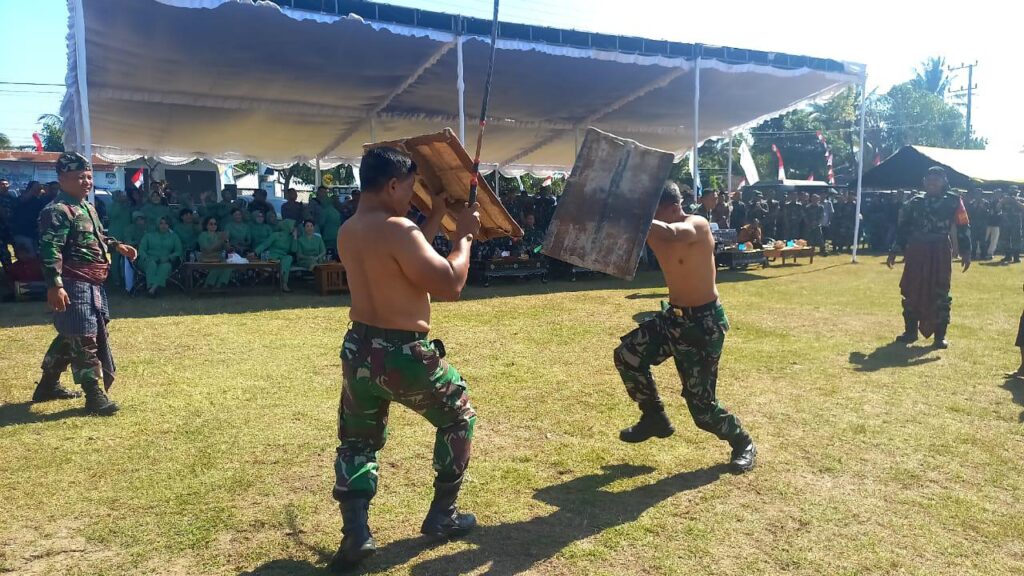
{"x": 38, "y": 141}
{"x": 782, "y": 167}
{"x": 137, "y": 179}
{"x": 547, "y": 182}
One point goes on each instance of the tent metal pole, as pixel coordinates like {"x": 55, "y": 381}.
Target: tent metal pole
{"x": 730, "y": 162}
{"x": 860, "y": 165}
{"x": 696, "y": 122}
{"x": 85, "y": 138}
{"x": 318, "y": 174}
{"x": 462, "y": 90}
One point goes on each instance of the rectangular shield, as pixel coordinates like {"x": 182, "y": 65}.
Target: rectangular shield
{"x": 609, "y": 201}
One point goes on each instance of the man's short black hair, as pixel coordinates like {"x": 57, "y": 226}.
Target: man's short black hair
{"x": 380, "y": 165}
{"x": 670, "y": 194}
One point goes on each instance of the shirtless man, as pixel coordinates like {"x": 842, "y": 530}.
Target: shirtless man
{"x": 692, "y": 330}
{"x": 392, "y": 273}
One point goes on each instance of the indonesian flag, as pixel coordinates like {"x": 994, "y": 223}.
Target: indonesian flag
{"x": 38, "y": 141}
{"x": 547, "y": 182}
{"x": 878, "y": 158}
{"x": 137, "y": 179}
{"x": 782, "y": 167}
{"x": 828, "y": 159}
{"x": 811, "y": 177}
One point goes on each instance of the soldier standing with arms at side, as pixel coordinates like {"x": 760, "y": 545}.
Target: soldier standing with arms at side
{"x": 1012, "y": 212}
{"x": 393, "y": 272}
{"x": 923, "y": 235}
{"x": 74, "y": 252}
{"x": 691, "y": 329}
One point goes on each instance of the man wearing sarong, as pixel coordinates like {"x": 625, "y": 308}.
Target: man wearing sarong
{"x": 393, "y": 271}
{"x": 923, "y": 236}
{"x": 690, "y": 329}
{"x": 74, "y": 249}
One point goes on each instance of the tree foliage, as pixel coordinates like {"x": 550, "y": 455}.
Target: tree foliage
{"x": 52, "y": 132}
{"x": 932, "y": 77}
{"x": 5, "y": 142}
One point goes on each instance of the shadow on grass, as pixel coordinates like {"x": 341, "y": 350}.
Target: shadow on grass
{"x": 584, "y": 510}
{"x": 1015, "y": 384}
{"x": 21, "y": 413}
{"x": 892, "y": 355}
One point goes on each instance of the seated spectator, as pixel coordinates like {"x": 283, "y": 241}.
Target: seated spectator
{"x": 25, "y": 222}
{"x": 187, "y": 231}
{"x": 533, "y": 238}
{"x": 160, "y": 252}
{"x": 751, "y": 233}
{"x": 327, "y": 218}
{"x": 26, "y": 273}
{"x": 280, "y": 246}
{"x": 239, "y": 238}
{"x": 259, "y": 229}
{"x": 272, "y": 220}
{"x": 310, "y": 248}
{"x": 212, "y": 245}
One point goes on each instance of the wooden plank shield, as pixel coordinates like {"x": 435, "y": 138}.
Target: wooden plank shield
{"x": 442, "y": 164}
{"x": 609, "y": 201}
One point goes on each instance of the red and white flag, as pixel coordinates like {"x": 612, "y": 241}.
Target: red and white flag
{"x": 878, "y": 158}
{"x": 38, "y": 141}
{"x": 811, "y": 177}
{"x": 828, "y": 159}
{"x": 547, "y": 182}
{"x": 137, "y": 179}
{"x": 782, "y": 167}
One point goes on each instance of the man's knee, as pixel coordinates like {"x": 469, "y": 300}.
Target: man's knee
{"x": 626, "y": 360}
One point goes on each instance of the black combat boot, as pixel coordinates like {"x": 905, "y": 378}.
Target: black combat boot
{"x": 940, "y": 342}
{"x": 744, "y": 455}
{"x": 444, "y": 519}
{"x": 97, "y": 402}
{"x": 357, "y": 543}
{"x": 909, "y": 335}
{"x": 49, "y": 388}
{"x": 653, "y": 423}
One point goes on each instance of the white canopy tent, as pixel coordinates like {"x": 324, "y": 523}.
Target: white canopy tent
{"x": 229, "y": 80}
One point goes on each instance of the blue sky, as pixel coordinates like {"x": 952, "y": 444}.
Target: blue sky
{"x": 891, "y": 37}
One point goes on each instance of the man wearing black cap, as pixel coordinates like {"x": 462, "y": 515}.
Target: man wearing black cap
{"x": 74, "y": 252}
{"x": 923, "y": 235}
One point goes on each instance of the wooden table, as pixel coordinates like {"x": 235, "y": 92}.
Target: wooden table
{"x": 794, "y": 253}
{"x": 330, "y": 278}
{"x": 735, "y": 258}
{"x": 512, "y": 267}
{"x": 190, "y": 270}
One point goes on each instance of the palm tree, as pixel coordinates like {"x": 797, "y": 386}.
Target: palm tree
{"x": 5, "y": 142}
{"x": 932, "y": 77}
{"x": 52, "y": 132}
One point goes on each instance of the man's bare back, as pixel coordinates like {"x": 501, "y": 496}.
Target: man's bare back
{"x": 685, "y": 251}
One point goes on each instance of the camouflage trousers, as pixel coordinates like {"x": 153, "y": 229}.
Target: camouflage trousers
{"x": 693, "y": 337}
{"x": 384, "y": 366}
{"x": 82, "y": 339}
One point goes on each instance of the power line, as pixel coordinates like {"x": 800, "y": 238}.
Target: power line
{"x": 62, "y": 85}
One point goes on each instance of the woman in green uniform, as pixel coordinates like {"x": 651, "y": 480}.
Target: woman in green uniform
{"x": 311, "y": 250}
{"x": 259, "y": 230}
{"x": 154, "y": 210}
{"x": 239, "y": 238}
{"x": 280, "y": 246}
{"x": 187, "y": 231}
{"x": 211, "y": 249}
{"x": 330, "y": 221}
{"x": 134, "y": 234}
{"x": 120, "y": 221}
{"x": 159, "y": 252}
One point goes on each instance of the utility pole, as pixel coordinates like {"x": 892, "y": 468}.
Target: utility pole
{"x": 971, "y": 87}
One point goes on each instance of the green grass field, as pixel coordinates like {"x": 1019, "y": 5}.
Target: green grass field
{"x": 874, "y": 458}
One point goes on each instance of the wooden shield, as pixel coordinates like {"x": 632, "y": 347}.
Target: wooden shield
{"x": 442, "y": 164}
{"x": 609, "y": 201}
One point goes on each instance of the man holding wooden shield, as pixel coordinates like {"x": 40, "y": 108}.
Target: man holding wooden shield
{"x": 691, "y": 329}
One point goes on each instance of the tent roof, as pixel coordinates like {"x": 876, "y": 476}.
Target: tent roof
{"x": 232, "y": 79}
{"x": 906, "y": 168}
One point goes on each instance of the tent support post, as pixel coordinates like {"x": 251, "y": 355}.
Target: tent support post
{"x": 696, "y": 122}
{"x": 730, "y": 162}
{"x": 318, "y": 174}
{"x": 85, "y": 138}
{"x": 860, "y": 166}
{"x": 462, "y": 90}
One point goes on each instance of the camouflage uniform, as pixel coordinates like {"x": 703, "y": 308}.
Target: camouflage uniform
{"x": 923, "y": 235}
{"x": 792, "y": 219}
{"x": 383, "y": 366}
{"x": 8, "y": 202}
{"x": 814, "y": 216}
{"x": 694, "y": 338}
{"x": 74, "y": 249}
